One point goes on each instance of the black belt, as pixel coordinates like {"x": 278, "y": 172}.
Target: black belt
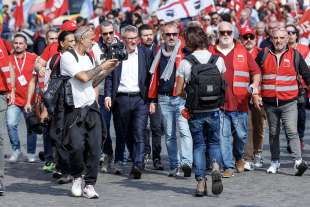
{"x": 164, "y": 94}
{"x": 128, "y": 94}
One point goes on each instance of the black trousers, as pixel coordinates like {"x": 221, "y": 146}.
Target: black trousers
{"x": 156, "y": 129}
{"x": 130, "y": 120}
{"x": 84, "y": 136}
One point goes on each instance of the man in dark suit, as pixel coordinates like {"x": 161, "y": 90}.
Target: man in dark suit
{"x": 126, "y": 92}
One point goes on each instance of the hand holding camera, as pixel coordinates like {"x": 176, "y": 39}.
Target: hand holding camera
{"x": 109, "y": 65}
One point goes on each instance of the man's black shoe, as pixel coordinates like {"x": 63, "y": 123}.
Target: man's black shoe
{"x": 301, "y": 168}
{"x": 41, "y": 156}
{"x": 65, "y": 179}
{"x": 136, "y": 172}
{"x": 1, "y": 188}
{"x": 187, "y": 170}
{"x": 157, "y": 165}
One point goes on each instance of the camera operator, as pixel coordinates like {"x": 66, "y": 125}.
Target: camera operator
{"x": 83, "y": 123}
{"x": 100, "y": 50}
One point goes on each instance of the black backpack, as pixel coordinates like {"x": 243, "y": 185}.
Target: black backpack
{"x": 206, "y": 88}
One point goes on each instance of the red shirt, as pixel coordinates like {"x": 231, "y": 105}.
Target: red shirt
{"x": 49, "y": 51}
{"x": 27, "y": 72}
{"x": 232, "y": 102}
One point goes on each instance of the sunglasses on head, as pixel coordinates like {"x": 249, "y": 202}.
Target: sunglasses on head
{"x": 171, "y": 34}
{"x": 248, "y": 37}
{"x": 106, "y": 33}
{"x": 291, "y": 32}
{"x": 225, "y": 33}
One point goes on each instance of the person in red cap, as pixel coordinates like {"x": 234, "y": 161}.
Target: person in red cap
{"x": 257, "y": 118}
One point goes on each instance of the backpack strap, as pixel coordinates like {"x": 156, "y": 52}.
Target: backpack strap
{"x": 192, "y": 59}
{"x": 213, "y": 59}
{"x": 72, "y": 51}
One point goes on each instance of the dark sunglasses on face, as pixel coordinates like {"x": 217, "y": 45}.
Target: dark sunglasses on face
{"x": 225, "y": 32}
{"x": 173, "y": 34}
{"x": 248, "y": 37}
{"x": 106, "y": 33}
{"x": 291, "y": 32}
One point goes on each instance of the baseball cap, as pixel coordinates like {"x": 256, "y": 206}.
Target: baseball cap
{"x": 247, "y": 30}
{"x": 69, "y": 25}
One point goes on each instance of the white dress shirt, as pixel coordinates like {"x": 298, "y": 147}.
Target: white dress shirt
{"x": 129, "y": 81}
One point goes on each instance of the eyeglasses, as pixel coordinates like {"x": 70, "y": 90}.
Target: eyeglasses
{"x": 171, "y": 34}
{"x": 248, "y": 37}
{"x": 131, "y": 38}
{"x": 291, "y": 32}
{"x": 229, "y": 32}
{"x": 107, "y": 33}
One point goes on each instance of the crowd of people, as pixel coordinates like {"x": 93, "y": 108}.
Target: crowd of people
{"x": 213, "y": 83}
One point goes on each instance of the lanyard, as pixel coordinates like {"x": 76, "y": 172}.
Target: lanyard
{"x": 23, "y": 64}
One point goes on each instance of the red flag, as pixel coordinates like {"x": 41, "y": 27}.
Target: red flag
{"x": 19, "y": 14}
{"x": 304, "y": 24}
{"x": 49, "y": 4}
{"x": 58, "y": 8}
{"x": 107, "y": 5}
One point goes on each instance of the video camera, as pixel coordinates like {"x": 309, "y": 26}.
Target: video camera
{"x": 115, "y": 51}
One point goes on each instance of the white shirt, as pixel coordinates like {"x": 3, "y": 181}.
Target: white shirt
{"x": 203, "y": 57}
{"x": 83, "y": 93}
{"x": 129, "y": 81}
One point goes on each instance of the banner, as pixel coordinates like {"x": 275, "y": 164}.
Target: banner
{"x": 58, "y": 8}
{"x": 304, "y": 24}
{"x": 19, "y": 14}
{"x": 177, "y": 9}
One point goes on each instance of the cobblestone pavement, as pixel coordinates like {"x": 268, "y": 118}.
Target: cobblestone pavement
{"x": 27, "y": 186}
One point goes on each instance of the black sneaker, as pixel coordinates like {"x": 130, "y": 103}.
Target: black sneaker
{"x": 300, "y": 168}
{"x": 157, "y": 165}
{"x": 135, "y": 173}
{"x": 57, "y": 174}
{"x": 187, "y": 170}
{"x": 1, "y": 188}
{"x": 41, "y": 156}
{"x": 64, "y": 179}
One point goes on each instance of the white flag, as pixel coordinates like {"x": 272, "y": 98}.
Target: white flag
{"x": 177, "y": 9}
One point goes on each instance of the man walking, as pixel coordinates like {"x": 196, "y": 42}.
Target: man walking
{"x": 83, "y": 127}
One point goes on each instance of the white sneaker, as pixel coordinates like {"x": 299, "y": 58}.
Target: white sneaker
{"x": 89, "y": 192}
{"x": 174, "y": 172}
{"x": 76, "y": 189}
{"x": 248, "y": 166}
{"x": 15, "y": 156}
{"x": 274, "y": 167}
{"x": 31, "y": 157}
{"x": 258, "y": 160}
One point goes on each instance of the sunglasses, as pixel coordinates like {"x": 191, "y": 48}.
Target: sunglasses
{"x": 291, "y": 32}
{"x": 107, "y": 33}
{"x": 248, "y": 37}
{"x": 171, "y": 34}
{"x": 225, "y": 33}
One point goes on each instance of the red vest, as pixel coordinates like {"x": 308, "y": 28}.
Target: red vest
{"x": 241, "y": 78}
{"x": 303, "y": 50}
{"x": 279, "y": 82}
{"x": 27, "y": 72}
{"x": 5, "y": 79}
{"x": 153, "y": 89}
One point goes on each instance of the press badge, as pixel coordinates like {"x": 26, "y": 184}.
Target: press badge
{"x": 22, "y": 80}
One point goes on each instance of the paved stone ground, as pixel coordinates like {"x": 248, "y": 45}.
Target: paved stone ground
{"x": 27, "y": 186}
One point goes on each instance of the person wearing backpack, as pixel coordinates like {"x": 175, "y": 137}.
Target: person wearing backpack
{"x": 83, "y": 123}
{"x": 242, "y": 74}
{"x": 202, "y": 74}
{"x": 281, "y": 68}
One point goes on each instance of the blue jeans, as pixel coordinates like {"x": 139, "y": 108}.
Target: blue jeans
{"x": 170, "y": 108}
{"x": 12, "y": 120}
{"x": 205, "y": 130}
{"x": 233, "y": 125}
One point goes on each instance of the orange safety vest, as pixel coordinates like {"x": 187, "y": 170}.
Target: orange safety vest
{"x": 241, "y": 79}
{"x": 153, "y": 89}
{"x": 279, "y": 81}
{"x": 5, "y": 79}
